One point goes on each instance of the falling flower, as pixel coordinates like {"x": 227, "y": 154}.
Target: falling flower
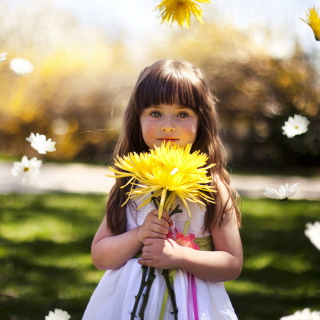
{"x": 40, "y": 143}
{"x": 305, "y": 314}
{"x": 165, "y": 173}
{"x": 27, "y": 170}
{"x": 180, "y": 11}
{"x": 313, "y": 20}
{"x": 58, "y": 314}
{"x": 313, "y": 233}
{"x": 3, "y": 56}
{"x": 21, "y": 66}
{"x": 283, "y": 193}
{"x": 296, "y": 125}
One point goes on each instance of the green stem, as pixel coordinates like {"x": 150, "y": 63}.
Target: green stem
{"x": 154, "y": 200}
{"x": 175, "y": 210}
{"x": 151, "y": 277}
{"x": 165, "y": 274}
{"x": 138, "y": 296}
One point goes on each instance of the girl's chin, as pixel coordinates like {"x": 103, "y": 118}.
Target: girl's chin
{"x": 171, "y": 142}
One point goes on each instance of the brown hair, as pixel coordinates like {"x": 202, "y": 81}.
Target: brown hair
{"x": 171, "y": 82}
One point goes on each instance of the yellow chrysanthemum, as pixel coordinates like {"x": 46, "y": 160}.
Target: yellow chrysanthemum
{"x": 180, "y": 11}
{"x": 313, "y": 20}
{"x": 165, "y": 173}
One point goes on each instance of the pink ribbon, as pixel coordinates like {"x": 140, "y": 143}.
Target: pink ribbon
{"x": 192, "y": 298}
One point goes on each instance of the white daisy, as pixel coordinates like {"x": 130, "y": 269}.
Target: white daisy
{"x": 296, "y": 125}
{"x": 58, "y": 314}
{"x": 305, "y": 314}
{"x": 313, "y": 233}
{"x": 3, "y": 56}
{"x": 26, "y": 170}
{"x": 41, "y": 144}
{"x": 283, "y": 193}
{"x": 21, "y": 66}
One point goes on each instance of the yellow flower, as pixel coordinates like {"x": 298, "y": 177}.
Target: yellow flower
{"x": 167, "y": 172}
{"x": 313, "y": 21}
{"x": 180, "y": 11}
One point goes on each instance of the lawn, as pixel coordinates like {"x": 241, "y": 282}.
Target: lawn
{"x": 45, "y": 259}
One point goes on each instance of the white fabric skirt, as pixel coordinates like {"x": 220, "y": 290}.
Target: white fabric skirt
{"x": 114, "y": 297}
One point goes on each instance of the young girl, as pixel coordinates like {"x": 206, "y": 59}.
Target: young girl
{"x": 172, "y": 102}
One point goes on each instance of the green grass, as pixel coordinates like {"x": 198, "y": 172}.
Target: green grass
{"x": 45, "y": 256}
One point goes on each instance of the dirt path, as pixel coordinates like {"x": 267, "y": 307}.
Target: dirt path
{"x": 80, "y": 178}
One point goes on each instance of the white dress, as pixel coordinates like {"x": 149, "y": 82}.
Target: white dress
{"x": 114, "y": 297}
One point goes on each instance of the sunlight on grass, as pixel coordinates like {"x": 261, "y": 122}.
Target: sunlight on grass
{"x": 45, "y": 257}
{"x": 45, "y": 228}
{"x": 280, "y": 261}
{"x": 76, "y": 260}
{"x": 242, "y": 286}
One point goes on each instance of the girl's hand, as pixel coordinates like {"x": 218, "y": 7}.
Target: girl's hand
{"x": 152, "y": 227}
{"x": 160, "y": 253}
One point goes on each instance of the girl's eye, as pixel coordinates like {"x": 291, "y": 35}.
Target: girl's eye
{"x": 183, "y": 115}
{"x": 155, "y": 114}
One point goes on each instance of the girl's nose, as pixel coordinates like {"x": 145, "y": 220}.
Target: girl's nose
{"x": 168, "y": 126}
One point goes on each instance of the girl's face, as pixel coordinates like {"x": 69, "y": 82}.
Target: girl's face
{"x": 169, "y": 123}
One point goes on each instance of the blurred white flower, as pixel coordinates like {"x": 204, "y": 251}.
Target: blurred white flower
{"x": 58, "y": 314}
{"x": 40, "y": 143}
{"x": 296, "y": 125}
{"x": 313, "y": 233}
{"x": 60, "y": 126}
{"x": 305, "y": 314}
{"x": 283, "y": 193}
{"x": 3, "y": 56}
{"x": 26, "y": 170}
{"x": 21, "y": 66}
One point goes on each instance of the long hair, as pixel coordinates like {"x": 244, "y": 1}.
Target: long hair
{"x": 172, "y": 82}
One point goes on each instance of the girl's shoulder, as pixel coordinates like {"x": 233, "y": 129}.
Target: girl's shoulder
{"x": 222, "y": 188}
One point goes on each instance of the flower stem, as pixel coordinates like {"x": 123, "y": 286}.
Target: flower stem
{"x": 165, "y": 274}
{"x": 151, "y": 276}
{"x": 175, "y": 210}
{"x": 138, "y": 296}
{"x": 154, "y": 200}
{"x": 149, "y": 282}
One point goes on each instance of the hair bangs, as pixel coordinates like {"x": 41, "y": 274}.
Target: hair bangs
{"x": 166, "y": 87}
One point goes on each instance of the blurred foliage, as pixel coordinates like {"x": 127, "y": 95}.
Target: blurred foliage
{"x": 70, "y": 97}
{"x": 82, "y": 82}
{"x": 257, "y": 93}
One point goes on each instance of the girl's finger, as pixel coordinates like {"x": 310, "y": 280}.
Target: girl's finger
{"x": 159, "y": 229}
{"x": 144, "y": 262}
{"x": 147, "y": 242}
{"x": 164, "y": 217}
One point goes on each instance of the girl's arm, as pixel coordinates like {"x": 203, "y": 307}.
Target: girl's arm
{"x": 109, "y": 251}
{"x": 223, "y": 264}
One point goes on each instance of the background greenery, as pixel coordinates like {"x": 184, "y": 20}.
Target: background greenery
{"x": 45, "y": 259}
{"x": 79, "y": 88}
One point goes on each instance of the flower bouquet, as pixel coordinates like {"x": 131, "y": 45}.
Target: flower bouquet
{"x": 165, "y": 173}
